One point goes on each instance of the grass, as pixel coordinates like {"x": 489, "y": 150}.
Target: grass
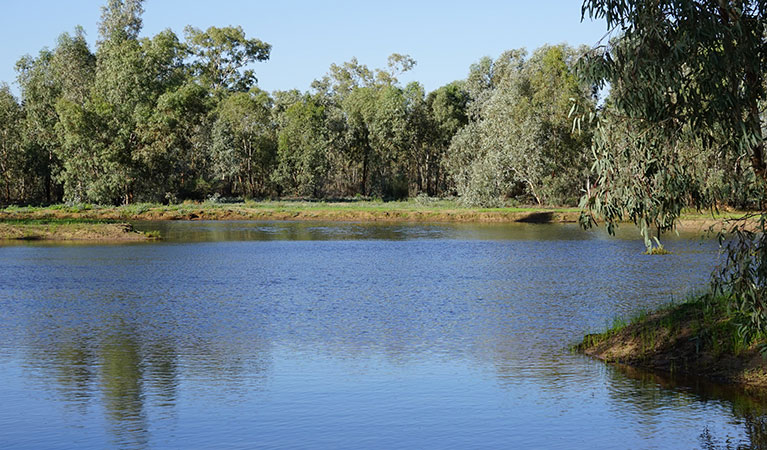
{"x": 701, "y": 335}
{"x": 418, "y": 204}
{"x": 418, "y": 209}
{"x": 53, "y": 221}
{"x": 152, "y": 234}
{"x": 658, "y": 250}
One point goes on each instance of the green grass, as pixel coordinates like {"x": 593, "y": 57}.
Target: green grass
{"x": 54, "y": 221}
{"x": 288, "y": 205}
{"x": 412, "y": 205}
{"x": 153, "y": 234}
{"x": 658, "y": 250}
{"x": 710, "y": 321}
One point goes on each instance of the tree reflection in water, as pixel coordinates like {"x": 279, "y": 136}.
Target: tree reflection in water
{"x": 650, "y": 392}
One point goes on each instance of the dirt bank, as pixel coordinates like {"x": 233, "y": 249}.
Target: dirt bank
{"x": 287, "y": 211}
{"x": 685, "y": 339}
{"x": 71, "y": 232}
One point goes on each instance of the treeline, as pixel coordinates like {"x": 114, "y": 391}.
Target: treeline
{"x": 164, "y": 119}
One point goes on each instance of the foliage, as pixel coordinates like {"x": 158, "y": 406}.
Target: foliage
{"x": 244, "y": 142}
{"x": 221, "y": 54}
{"x": 742, "y": 277}
{"x": 11, "y": 163}
{"x": 521, "y": 141}
{"x": 687, "y": 92}
{"x": 166, "y": 119}
{"x": 303, "y": 163}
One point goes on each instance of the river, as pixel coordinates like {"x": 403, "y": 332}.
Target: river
{"x": 344, "y": 335}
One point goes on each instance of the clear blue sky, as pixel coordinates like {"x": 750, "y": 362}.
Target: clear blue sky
{"x": 445, "y": 37}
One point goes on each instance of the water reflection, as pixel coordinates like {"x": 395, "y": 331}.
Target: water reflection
{"x": 208, "y": 231}
{"x": 652, "y": 394}
{"x": 386, "y": 335}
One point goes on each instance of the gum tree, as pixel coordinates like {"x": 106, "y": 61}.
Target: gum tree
{"x": 687, "y": 93}
{"x": 245, "y": 142}
{"x": 302, "y": 151}
{"x": 520, "y": 141}
{"x": 222, "y": 55}
{"x": 11, "y": 154}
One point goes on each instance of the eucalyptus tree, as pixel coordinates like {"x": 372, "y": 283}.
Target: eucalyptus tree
{"x": 448, "y": 114}
{"x": 245, "y": 143}
{"x": 125, "y": 137}
{"x": 365, "y": 115}
{"x": 476, "y": 173}
{"x": 74, "y": 67}
{"x": 99, "y": 134}
{"x": 62, "y": 74}
{"x": 687, "y": 83}
{"x": 221, "y": 57}
{"x": 302, "y": 152}
{"x": 11, "y": 146}
{"x": 387, "y": 122}
{"x": 175, "y": 152}
{"x": 40, "y": 91}
{"x": 347, "y": 137}
{"x": 520, "y": 142}
{"x": 419, "y": 156}
{"x": 71, "y": 69}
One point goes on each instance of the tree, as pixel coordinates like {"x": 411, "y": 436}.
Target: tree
{"x": 174, "y": 155}
{"x": 63, "y": 74}
{"x": 116, "y": 142}
{"x": 522, "y": 143}
{"x": 11, "y": 156}
{"x": 448, "y": 112}
{"x": 687, "y": 85}
{"x": 98, "y": 135}
{"x": 222, "y": 54}
{"x": 244, "y": 142}
{"x": 302, "y": 152}
{"x": 365, "y": 113}
{"x": 39, "y": 92}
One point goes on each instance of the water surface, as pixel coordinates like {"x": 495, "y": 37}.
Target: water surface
{"x": 285, "y": 335}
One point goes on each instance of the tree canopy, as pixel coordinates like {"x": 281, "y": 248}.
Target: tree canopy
{"x": 686, "y": 105}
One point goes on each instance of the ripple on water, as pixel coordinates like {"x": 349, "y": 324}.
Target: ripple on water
{"x": 342, "y": 335}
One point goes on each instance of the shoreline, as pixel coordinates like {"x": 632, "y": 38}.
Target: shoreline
{"x": 71, "y": 231}
{"x": 332, "y": 212}
{"x": 358, "y": 211}
{"x": 24, "y": 223}
{"x": 688, "y": 339}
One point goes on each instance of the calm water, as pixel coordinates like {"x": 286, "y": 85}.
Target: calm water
{"x": 284, "y": 335}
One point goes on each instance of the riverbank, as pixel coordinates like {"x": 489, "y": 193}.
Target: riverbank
{"x": 431, "y": 210}
{"x": 363, "y": 211}
{"x": 62, "y": 230}
{"x": 693, "y": 338}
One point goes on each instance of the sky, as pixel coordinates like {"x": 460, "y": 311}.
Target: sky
{"x": 444, "y": 37}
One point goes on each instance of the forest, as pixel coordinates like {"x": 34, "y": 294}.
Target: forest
{"x": 166, "y": 119}
{"x": 169, "y": 118}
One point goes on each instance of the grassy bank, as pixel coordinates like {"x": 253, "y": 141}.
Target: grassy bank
{"x": 70, "y": 230}
{"x": 697, "y": 337}
{"x": 412, "y": 211}
{"x": 417, "y": 210}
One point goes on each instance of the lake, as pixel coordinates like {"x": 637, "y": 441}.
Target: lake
{"x": 342, "y": 335}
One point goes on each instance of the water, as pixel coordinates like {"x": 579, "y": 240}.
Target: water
{"x": 285, "y": 335}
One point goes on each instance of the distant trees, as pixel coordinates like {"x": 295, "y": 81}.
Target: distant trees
{"x": 244, "y": 142}
{"x": 520, "y": 142}
{"x": 303, "y": 150}
{"x": 12, "y": 162}
{"x": 164, "y": 119}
